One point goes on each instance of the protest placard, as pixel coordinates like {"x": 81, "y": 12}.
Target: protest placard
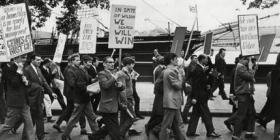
{"x": 178, "y": 40}
{"x": 15, "y": 27}
{"x": 88, "y": 31}
{"x": 208, "y": 43}
{"x": 3, "y": 50}
{"x": 249, "y": 34}
{"x": 122, "y": 26}
{"x": 60, "y": 48}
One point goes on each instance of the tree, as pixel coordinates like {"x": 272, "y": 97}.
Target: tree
{"x": 69, "y": 21}
{"x": 40, "y": 10}
{"x": 260, "y": 3}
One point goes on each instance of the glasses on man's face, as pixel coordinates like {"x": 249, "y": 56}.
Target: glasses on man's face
{"x": 110, "y": 62}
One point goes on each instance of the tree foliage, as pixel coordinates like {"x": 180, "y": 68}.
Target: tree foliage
{"x": 260, "y": 3}
{"x": 40, "y": 10}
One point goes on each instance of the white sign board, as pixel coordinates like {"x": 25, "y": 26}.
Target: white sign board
{"x": 60, "y": 48}
{"x": 3, "y": 50}
{"x": 122, "y": 26}
{"x": 249, "y": 34}
{"x": 16, "y": 33}
{"x": 88, "y": 31}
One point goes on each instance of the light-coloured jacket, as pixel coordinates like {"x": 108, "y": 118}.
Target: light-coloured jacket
{"x": 172, "y": 88}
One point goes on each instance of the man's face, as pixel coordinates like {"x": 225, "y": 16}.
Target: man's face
{"x": 223, "y": 54}
{"x": 244, "y": 61}
{"x": 211, "y": 53}
{"x": 174, "y": 61}
{"x": 182, "y": 53}
{"x": 204, "y": 61}
{"x": 88, "y": 63}
{"x": 96, "y": 63}
{"x": 37, "y": 61}
{"x": 109, "y": 64}
{"x": 155, "y": 52}
{"x": 195, "y": 60}
{"x": 77, "y": 61}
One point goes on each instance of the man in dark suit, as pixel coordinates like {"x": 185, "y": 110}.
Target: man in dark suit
{"x": 38, "y": 86}
{"x": 109, "y": 103}
{"x": 200, "y": 96}
{"x": 2, "y": 98}
{"x": 66, "y": 114}
{"x": 48, "y": 98}
{"x": 173, "y": 81}
{"x": 17, "y": 102}
{"x": 220, "y": 65}
{"x": 77, "y": 80}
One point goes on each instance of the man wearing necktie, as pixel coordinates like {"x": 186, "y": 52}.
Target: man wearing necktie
{"x": 38, "y": 86}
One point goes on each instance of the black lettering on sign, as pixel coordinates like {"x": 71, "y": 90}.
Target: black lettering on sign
{"x": 124, "y": 40}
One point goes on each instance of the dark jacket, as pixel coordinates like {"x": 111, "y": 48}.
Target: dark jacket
{"x": 275, "y": 93}
{"x": 158, "y": 90}
{"x": 76, "y": 83}
{"x": 38, "y": 85}
{"x": 242, "y": 80}
{"x": 199, "y": 85}
{"x": 231, "y": 89}
{"x": 16, "y": 94}
{"x": 47, "y": 74}
{"x": 109, "y": 93}
{"x": 220, "y": 64}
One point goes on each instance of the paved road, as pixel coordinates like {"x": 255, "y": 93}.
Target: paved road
{"x": 139, "y": 125}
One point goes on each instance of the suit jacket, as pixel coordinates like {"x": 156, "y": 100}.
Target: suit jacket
{"x": 220, "y": 64}
{"x": 243, "y": 78}
{"x": 172, "y": 88}
{"x": 109, "y": 93}
{"x": 275, "y": 94}
{"x": 199, "y": 84}
{"x": 158, "y": 90}
{"x": 47, "y": 74}
{"x": 16, "y": 94}
{"x": 76, "y": 81}
{"x": 126, "y": 80}
{"x": 38, "y": 85}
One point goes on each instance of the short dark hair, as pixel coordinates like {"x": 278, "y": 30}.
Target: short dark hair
{"x": 94, "y": 59}
{"x": 212, "y": 50}
{"x": 193, "y": 56}
{"x": 127, "y": 61}
{"x": 33, "y": 56}
{"x": 221, "y": 50}
{"x": 86, "y": 58}
{"x": 161, "y": 60}
{"x": 168, "y": 57}
{"x": 73, "y": 56}
{"x": 46, "y": 60}
{"x": 201, "y": 57}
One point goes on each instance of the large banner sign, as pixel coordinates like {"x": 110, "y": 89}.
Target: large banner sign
{"x": 178, "y": 40}
{"x": 122, "y": 26}
{"x": 16, "y": 33}
{"x": 88, "y": 31}
{"x": 249, "y": 34}
{"x": 60, "y": 48}
{"x": 265, "y": 46}
{"x": 3, "y": 50}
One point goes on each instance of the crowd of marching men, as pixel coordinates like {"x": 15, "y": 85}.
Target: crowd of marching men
{"x": 28, "y": 89}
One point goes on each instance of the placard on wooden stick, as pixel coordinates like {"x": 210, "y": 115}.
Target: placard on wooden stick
{"x": 15, "y": 27}
{"x": 249, "y": 34}
{"x": 122, "y": 24}
{"x": 88, "y": 31}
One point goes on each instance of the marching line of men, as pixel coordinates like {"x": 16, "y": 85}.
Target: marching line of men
{"x": 30, "y": 89}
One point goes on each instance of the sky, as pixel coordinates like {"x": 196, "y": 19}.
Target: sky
{"x": 151, "y": 14}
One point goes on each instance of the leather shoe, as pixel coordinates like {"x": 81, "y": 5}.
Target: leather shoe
{"x": 262, "y": 123}
{"x": 133, "y": 132}
{"x": 213, "y": 135}
{"x": 192, "y": 135}
{"x": 140, "y": 117}
{"x": 56, "y": 127}
{"x": 83, "y": 131}
{"x": 250, "y": 136}
{"x": 64, "y": 137}
{"x": 228, "y": 125}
